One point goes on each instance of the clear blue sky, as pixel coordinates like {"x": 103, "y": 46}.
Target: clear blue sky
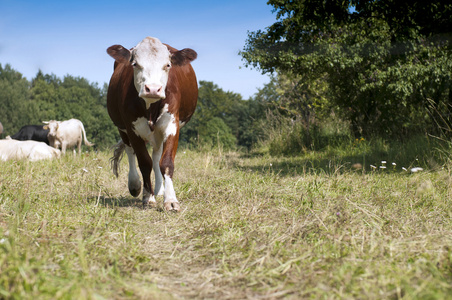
{"x": 71, "y": 36}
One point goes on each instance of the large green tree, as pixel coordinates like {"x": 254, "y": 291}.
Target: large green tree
{"x": 387, "y": 63}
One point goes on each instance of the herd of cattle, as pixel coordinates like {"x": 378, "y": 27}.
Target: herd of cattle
{"x": 152, "y": 93}
{"x": 36, "y": 142}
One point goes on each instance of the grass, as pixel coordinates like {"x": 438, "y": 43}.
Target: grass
{"x": 249, "y": 227}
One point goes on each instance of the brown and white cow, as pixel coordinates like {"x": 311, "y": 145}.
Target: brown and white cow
{"x": 66, "y": 134}
{"x": 152, "y": 93}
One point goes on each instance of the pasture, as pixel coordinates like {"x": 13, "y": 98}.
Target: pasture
{"x": 250, "y": 227}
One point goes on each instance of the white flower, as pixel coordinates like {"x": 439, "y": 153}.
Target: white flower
{"x": 85, "y": 170}
{"x": 373, "y": 167}
{"x": 383, "y": 162}
{"x": 382, "y": 167}
{"x": 271, "y": 164}
{"x": 417, "y": 169}
{"x": 2, "y": 241}
{"x": 99, "y": 167}
{"x": 394, "y": 164}
{"x": 403, "y": 168}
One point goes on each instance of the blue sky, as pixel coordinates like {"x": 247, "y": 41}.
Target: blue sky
{"x": 71, "y": 37}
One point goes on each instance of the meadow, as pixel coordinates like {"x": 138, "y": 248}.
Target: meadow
{"x": 250, "y": 227}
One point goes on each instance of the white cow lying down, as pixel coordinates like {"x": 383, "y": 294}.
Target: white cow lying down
{"x": 31, "y": 150}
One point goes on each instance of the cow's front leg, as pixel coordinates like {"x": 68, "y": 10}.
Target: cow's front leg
{"x": 134, "y": 182}
{"x": 63, "y": 147}
{"x": 145, "y": 165}
{"x": 167, "y": 168}
{"x": 156, "y": 156}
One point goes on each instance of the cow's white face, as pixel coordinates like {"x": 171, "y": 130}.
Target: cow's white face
{"x": 52, "y": 126}
{"x": 151, "y": 61}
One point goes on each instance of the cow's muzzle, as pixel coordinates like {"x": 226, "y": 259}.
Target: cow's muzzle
{"x": 153, "y": 91}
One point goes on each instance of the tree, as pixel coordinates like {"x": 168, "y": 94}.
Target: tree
{"x": 48, "y": 97}
{"x": 15, "y": 107}
{"x": 75, "y": 97}
{"x": 213, "y": 118}
{"x": 386, "y": 64}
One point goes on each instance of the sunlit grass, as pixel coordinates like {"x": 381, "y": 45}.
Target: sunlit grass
{"x": 249, "y": 227}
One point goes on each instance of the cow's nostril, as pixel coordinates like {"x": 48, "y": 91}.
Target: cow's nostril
{"x": 148, "y": 90}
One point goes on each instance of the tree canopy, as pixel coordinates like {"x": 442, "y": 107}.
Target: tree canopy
{"x": 387, "y": 63}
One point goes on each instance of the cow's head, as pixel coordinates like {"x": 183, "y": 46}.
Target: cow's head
{"x": 52, "y": 126}
{"x": 151, "y": 61}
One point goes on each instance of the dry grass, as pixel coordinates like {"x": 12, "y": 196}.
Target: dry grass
{"x": 257, "y": 228}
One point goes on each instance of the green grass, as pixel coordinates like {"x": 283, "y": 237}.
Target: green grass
{"x": 306, "y": 227}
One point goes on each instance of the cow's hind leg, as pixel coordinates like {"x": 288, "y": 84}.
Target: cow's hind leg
{"x": 79, "y": 147}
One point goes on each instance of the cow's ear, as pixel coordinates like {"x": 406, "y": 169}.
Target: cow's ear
{"x": 45, "y": 127}
{"x": 119, "y": 53}
{"x": 184, "y": 56}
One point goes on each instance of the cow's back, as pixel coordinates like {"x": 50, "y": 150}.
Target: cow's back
{"x": 70, "y": 131}
{"x": 32, "y": 132}
{"x": 183, "y": 80}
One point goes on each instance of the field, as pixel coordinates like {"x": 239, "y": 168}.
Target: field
{"x": 250, "y": 227}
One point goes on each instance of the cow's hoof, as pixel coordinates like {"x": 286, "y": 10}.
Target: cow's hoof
{"x": 150, "y": 204}
{"x": 135, "y": 192}
{"x": 172, "y": 206}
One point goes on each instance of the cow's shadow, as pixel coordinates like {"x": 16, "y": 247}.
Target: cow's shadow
{"x": 111, "y": 202}
{"x": 120, "y": 202}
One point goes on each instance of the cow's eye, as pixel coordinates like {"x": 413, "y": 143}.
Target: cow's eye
{"x": 168, "y": 66}
{"x": 135, "y": 64}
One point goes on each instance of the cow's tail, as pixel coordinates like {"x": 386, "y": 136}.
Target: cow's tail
{"x": 87, "y": 143}
{"x": 118, "y": 153}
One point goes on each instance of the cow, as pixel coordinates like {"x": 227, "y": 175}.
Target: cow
{"x": 152, "y": 93}
{"x": 66, "y": 134}
{"x": 32, "y": 132}
{"x": 29, "y": 150}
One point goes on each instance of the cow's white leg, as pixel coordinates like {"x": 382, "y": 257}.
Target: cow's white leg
{"x": 134, "y": 179}
{"x": 156, "y": 155}
{"x": 63, "y": 147}
{"x": 169, "y": 125}
{"x": 170, "y": 202}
